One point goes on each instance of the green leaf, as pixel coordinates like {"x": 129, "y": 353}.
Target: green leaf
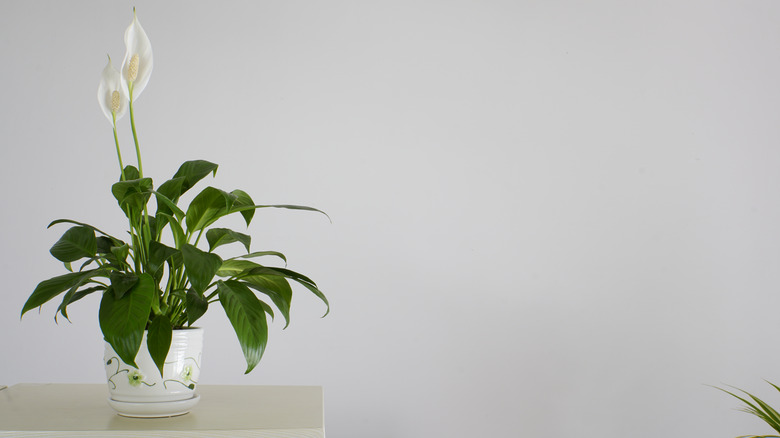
{"x": 201, "y": 266}
{"x": 76, "y": 243}
{"x": 234, "y": 268}
{"x": 132, "y": 195}
{"x": 158, "y": 340}
{"x": 48, "y": 289}
{"x": 68, "y": 221}
{"x": 196, "y": 306}
{"x": 277, "y": 288}
{"x": 222, "y": 236}
{"x": 164, "y": 200}
{"x": 261, "y": 254}
{"x": 122, "y": 282}
{"x": 247, "y": 316}
{"x": 131, "y": 172}
{"x": 244, "y": 200}
{"x": 159, "y": 254}
{"x": 289, "y": 207}
{"x": 179, "y": 238}
{"x": 123, "y": 320}
{"x": 299, "y": 278}
{"x": 120, "y": 253}
{"x": 208, "y": 206}
{"x": 189, "y": 173}
{"x": 72, "y": 296}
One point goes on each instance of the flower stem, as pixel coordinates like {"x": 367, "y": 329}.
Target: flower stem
{"x": 118, "y": 152}
{"x": 135, "y": 136}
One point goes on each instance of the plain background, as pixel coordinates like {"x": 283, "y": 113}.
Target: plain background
{"x": 550, "y": 218}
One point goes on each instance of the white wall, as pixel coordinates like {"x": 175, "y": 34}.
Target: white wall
{"x": 549, "y": 218}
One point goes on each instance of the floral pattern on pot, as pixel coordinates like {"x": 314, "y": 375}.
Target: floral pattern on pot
{"x": 181, "y": 371}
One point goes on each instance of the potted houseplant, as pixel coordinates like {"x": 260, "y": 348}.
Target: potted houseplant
{"x": 160, "y": 278}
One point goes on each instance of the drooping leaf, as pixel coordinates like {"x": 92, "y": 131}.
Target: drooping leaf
{"x": 124, "y": 320}
{"x": 201, "y": 266}
{"x": 247, "y": 316}
{"x": 301, "y": 279}
{"x": 69, "y": 221}
{"x": 261, "y": 254}
{"x": 78, "y": 242}
{"x": 122, "y": 282}
{"x": 235, "y": 267}
{"x": 179, "y": 237}
{"x": 158, "y": 340}
{"x": 288, "y": 207}
{"x": 222, "y": 236}
{"x": 75, "y": 295}
{"x": 196, "y": 306}
{"x": 48, "y": 289}
{"x": 275, "y": 287}
{"x": 244, "y": 200}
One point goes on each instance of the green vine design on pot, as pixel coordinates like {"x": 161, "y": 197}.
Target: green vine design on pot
{"x": 186, "y": 374}
{"x": 134, "y": 377}
{"x": 166, "y": 274}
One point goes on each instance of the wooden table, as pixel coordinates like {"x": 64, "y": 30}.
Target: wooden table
{"x": 81, "y": 410}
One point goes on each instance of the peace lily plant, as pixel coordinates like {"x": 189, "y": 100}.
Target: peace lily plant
{"x": 158, "y": 278}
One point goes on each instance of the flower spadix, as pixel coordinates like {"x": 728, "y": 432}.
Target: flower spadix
{"x": 138, "y": 62}
{"x": 111, "y": 94}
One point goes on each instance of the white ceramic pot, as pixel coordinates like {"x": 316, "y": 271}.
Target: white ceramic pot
{"x": 142, "y": 392}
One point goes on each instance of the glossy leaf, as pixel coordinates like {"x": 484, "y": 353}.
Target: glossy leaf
{"x": 299, "y": 278}
{"x": 289, "y": 207}
{"x": 234, "y": 268}
{"x": 124, "y": 320}
{"x": 48, "y": 289}
{"x": 247, "y": 316}
{"x": 196, "y": 306}
{"x": 191, "y": 172}
{"x": 74, "y": 295}
{"x": 277, "y": 289}
{"x": 76, "y": 243}
{"x": 158, "y": 340}
{"x": 222, "y": 236}
{"x": 201, "y": 266}
{"x": 122, "y": 282}
{"x": 159, "y": 254}
{"x": 208, "y": 206}
{"x": 244, "y": 200}
{"x": 132, "y": 194}
{"x": 69, "y": 221}
{"x": 262, "y": 254}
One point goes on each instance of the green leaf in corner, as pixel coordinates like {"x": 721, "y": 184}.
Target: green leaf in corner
{"x": 78, "y": 242}
{"x": 123, "y": 320}
{"x": 201, "y": 266}
{"x": 158, "y": 340}
{"x": 247, "y": 316}
{"x": 222, "y": 236}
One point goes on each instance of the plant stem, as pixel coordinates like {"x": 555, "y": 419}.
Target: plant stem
{"x": 118, "y": 152}
{"x": 135, "y": 136}
{"x": 145, "y": 230}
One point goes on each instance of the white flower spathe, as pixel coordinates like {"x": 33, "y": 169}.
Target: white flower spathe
{"x": 138, "y": 62}
{"x": 111, "y": 95}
